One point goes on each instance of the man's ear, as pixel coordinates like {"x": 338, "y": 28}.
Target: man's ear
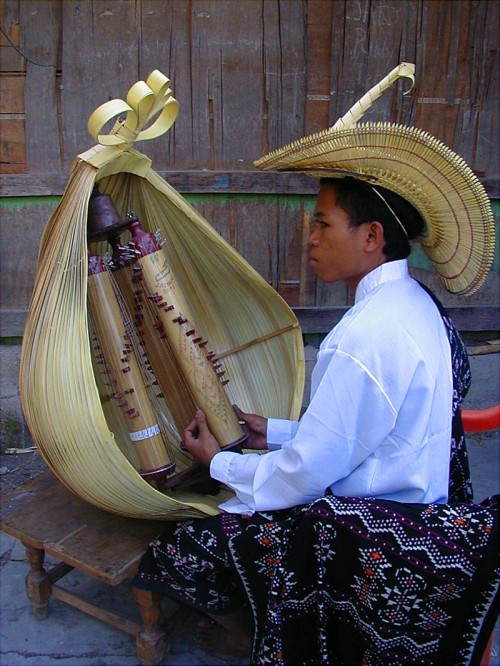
{"x": 375, "y": 239}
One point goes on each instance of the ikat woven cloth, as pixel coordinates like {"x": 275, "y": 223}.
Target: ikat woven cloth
{"x": 356, "y": 581}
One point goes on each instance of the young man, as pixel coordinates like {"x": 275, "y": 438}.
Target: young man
{"x": 387, "y": 384}
{"x": 378, "y": 423}
{"x": 379, "y": 419}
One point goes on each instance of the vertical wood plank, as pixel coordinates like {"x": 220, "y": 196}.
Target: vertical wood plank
{"x": 319, "y": 57}
{"x": 256, "y": 228}
{"x": 22, "y": 225}
{"x": 12, "y": 65}
{"x": 437, "y": 111}
{"x": 219, "y": 213}
{"x": 458, "y": 87}
{"x": 367, "y": 42}
{"x": 289, "y": 249}
{"x": 101, "y": 62}
{"x": 227, "y": 84}
{"x": 482, "y": 145}
{"x": 165, "y": 44}
{"x": 12, "y": 146}
{"x": 41, "y": 120}
{"x": 11, "y": 94}
{"x": 477, "y": 87}
{"x": 391, "y": 41}
{"x": 236, "y": 219}
{"x": 10, "y": 59}
{"x": 285, "y": 52}
{"x": 202, "y": 30}
{"x": 307, "y": 278}
{"x": 9, "y": 17}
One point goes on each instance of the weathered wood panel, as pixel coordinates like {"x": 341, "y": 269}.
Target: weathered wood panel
{"x": 12, "y": 137}
{"x": 22, "y": 226}
{"x": 100, "y": 61}
{"x": 368, "y": 40}
{"x": 456, "y": 103}
{"x": 166, "y": 45}
{"x": 476, "y": 136}
{"x": 315, "y": 321}
{"x": 291, "y": 261}
{"x": 268, "y": 231}
{"x": 13, "y": 156}
{"x": 472, "y": 318}
{"x": 9, "y": 20}
{"x": 41, "y": 120}
{"x": 284, "y": 64}
{"x": 271, "y": 232}
{"x": 11, "y": 94}
{"x": 215, "y": 182}
{"x": 11, "y": 61}
{"x": 249, "y": 76}
{"x": 319, "y": 40}
{"x": 222, "y": 58}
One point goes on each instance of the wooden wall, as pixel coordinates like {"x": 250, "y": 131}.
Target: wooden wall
{"x": 250, "y": 75}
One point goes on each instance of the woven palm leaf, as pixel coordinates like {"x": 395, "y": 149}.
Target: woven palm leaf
{"x": 78, "y": 432}
{"x": 459, "y": 236}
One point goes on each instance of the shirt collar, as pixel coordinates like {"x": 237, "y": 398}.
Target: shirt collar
{"x": 391, "y": 270}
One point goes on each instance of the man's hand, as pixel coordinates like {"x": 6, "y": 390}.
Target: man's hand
{"x": 199, "y": 441}
{"x": 257, "y": 429}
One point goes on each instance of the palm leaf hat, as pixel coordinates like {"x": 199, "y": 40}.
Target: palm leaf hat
{"x": 459, "y": 224}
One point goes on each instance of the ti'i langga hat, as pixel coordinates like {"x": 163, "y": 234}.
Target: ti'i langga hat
{"x": 460, "y": 234}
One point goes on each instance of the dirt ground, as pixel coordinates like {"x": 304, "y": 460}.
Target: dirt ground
{"x": 16, "y": 469}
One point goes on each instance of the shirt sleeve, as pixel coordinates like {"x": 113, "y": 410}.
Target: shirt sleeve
{"x": 280, "y": 431}
{"x": 347, "y": 418}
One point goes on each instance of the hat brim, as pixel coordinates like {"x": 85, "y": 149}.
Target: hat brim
{"x": 460, "y": 235}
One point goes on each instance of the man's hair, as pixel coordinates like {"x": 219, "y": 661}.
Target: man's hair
{"x": 363, "y": 205}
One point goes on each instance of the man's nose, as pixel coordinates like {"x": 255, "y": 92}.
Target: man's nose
{"x": 313, "y": 238}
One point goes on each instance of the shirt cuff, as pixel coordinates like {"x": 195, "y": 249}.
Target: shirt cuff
{"x": 280, "y": 431}
{"x": 219, "y": 466}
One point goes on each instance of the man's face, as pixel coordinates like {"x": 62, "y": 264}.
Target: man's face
{"x": 336, "y": 250}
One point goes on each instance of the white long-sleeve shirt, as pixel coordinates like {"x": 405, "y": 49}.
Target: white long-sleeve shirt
{"x": 379, "y": 419}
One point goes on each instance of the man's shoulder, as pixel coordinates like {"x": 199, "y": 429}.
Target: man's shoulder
{"x": 393, "y": 313}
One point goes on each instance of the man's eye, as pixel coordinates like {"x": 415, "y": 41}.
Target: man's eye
{"x": 318, "y": 223}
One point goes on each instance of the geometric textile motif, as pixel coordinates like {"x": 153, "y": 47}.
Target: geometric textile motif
{"x": 372, "y": 582}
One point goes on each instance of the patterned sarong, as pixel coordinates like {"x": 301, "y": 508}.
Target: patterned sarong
{"x": 353, "y": 581}
{"x": 343, "y": 580}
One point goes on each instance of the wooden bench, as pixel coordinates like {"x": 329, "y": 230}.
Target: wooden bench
{"x": 48, "y": 518}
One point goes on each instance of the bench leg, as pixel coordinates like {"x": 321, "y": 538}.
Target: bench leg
{"x": 38, "y": 584}
{"x": 151, "y": 641}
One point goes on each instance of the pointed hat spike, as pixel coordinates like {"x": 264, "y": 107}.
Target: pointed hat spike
{"x": 404, "y": 70}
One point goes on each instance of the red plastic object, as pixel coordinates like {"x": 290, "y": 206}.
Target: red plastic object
{"x": 486, "y": 658}
{"x": 479, "y": 420}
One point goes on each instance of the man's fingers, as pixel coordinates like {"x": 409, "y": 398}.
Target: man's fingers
{"x": 201, "y": 421}
{"x": 242, "y": 416}
{"x": 192, "y": 426}
{"x": 199, "y": 441}
{"x": 191, "y": 433}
